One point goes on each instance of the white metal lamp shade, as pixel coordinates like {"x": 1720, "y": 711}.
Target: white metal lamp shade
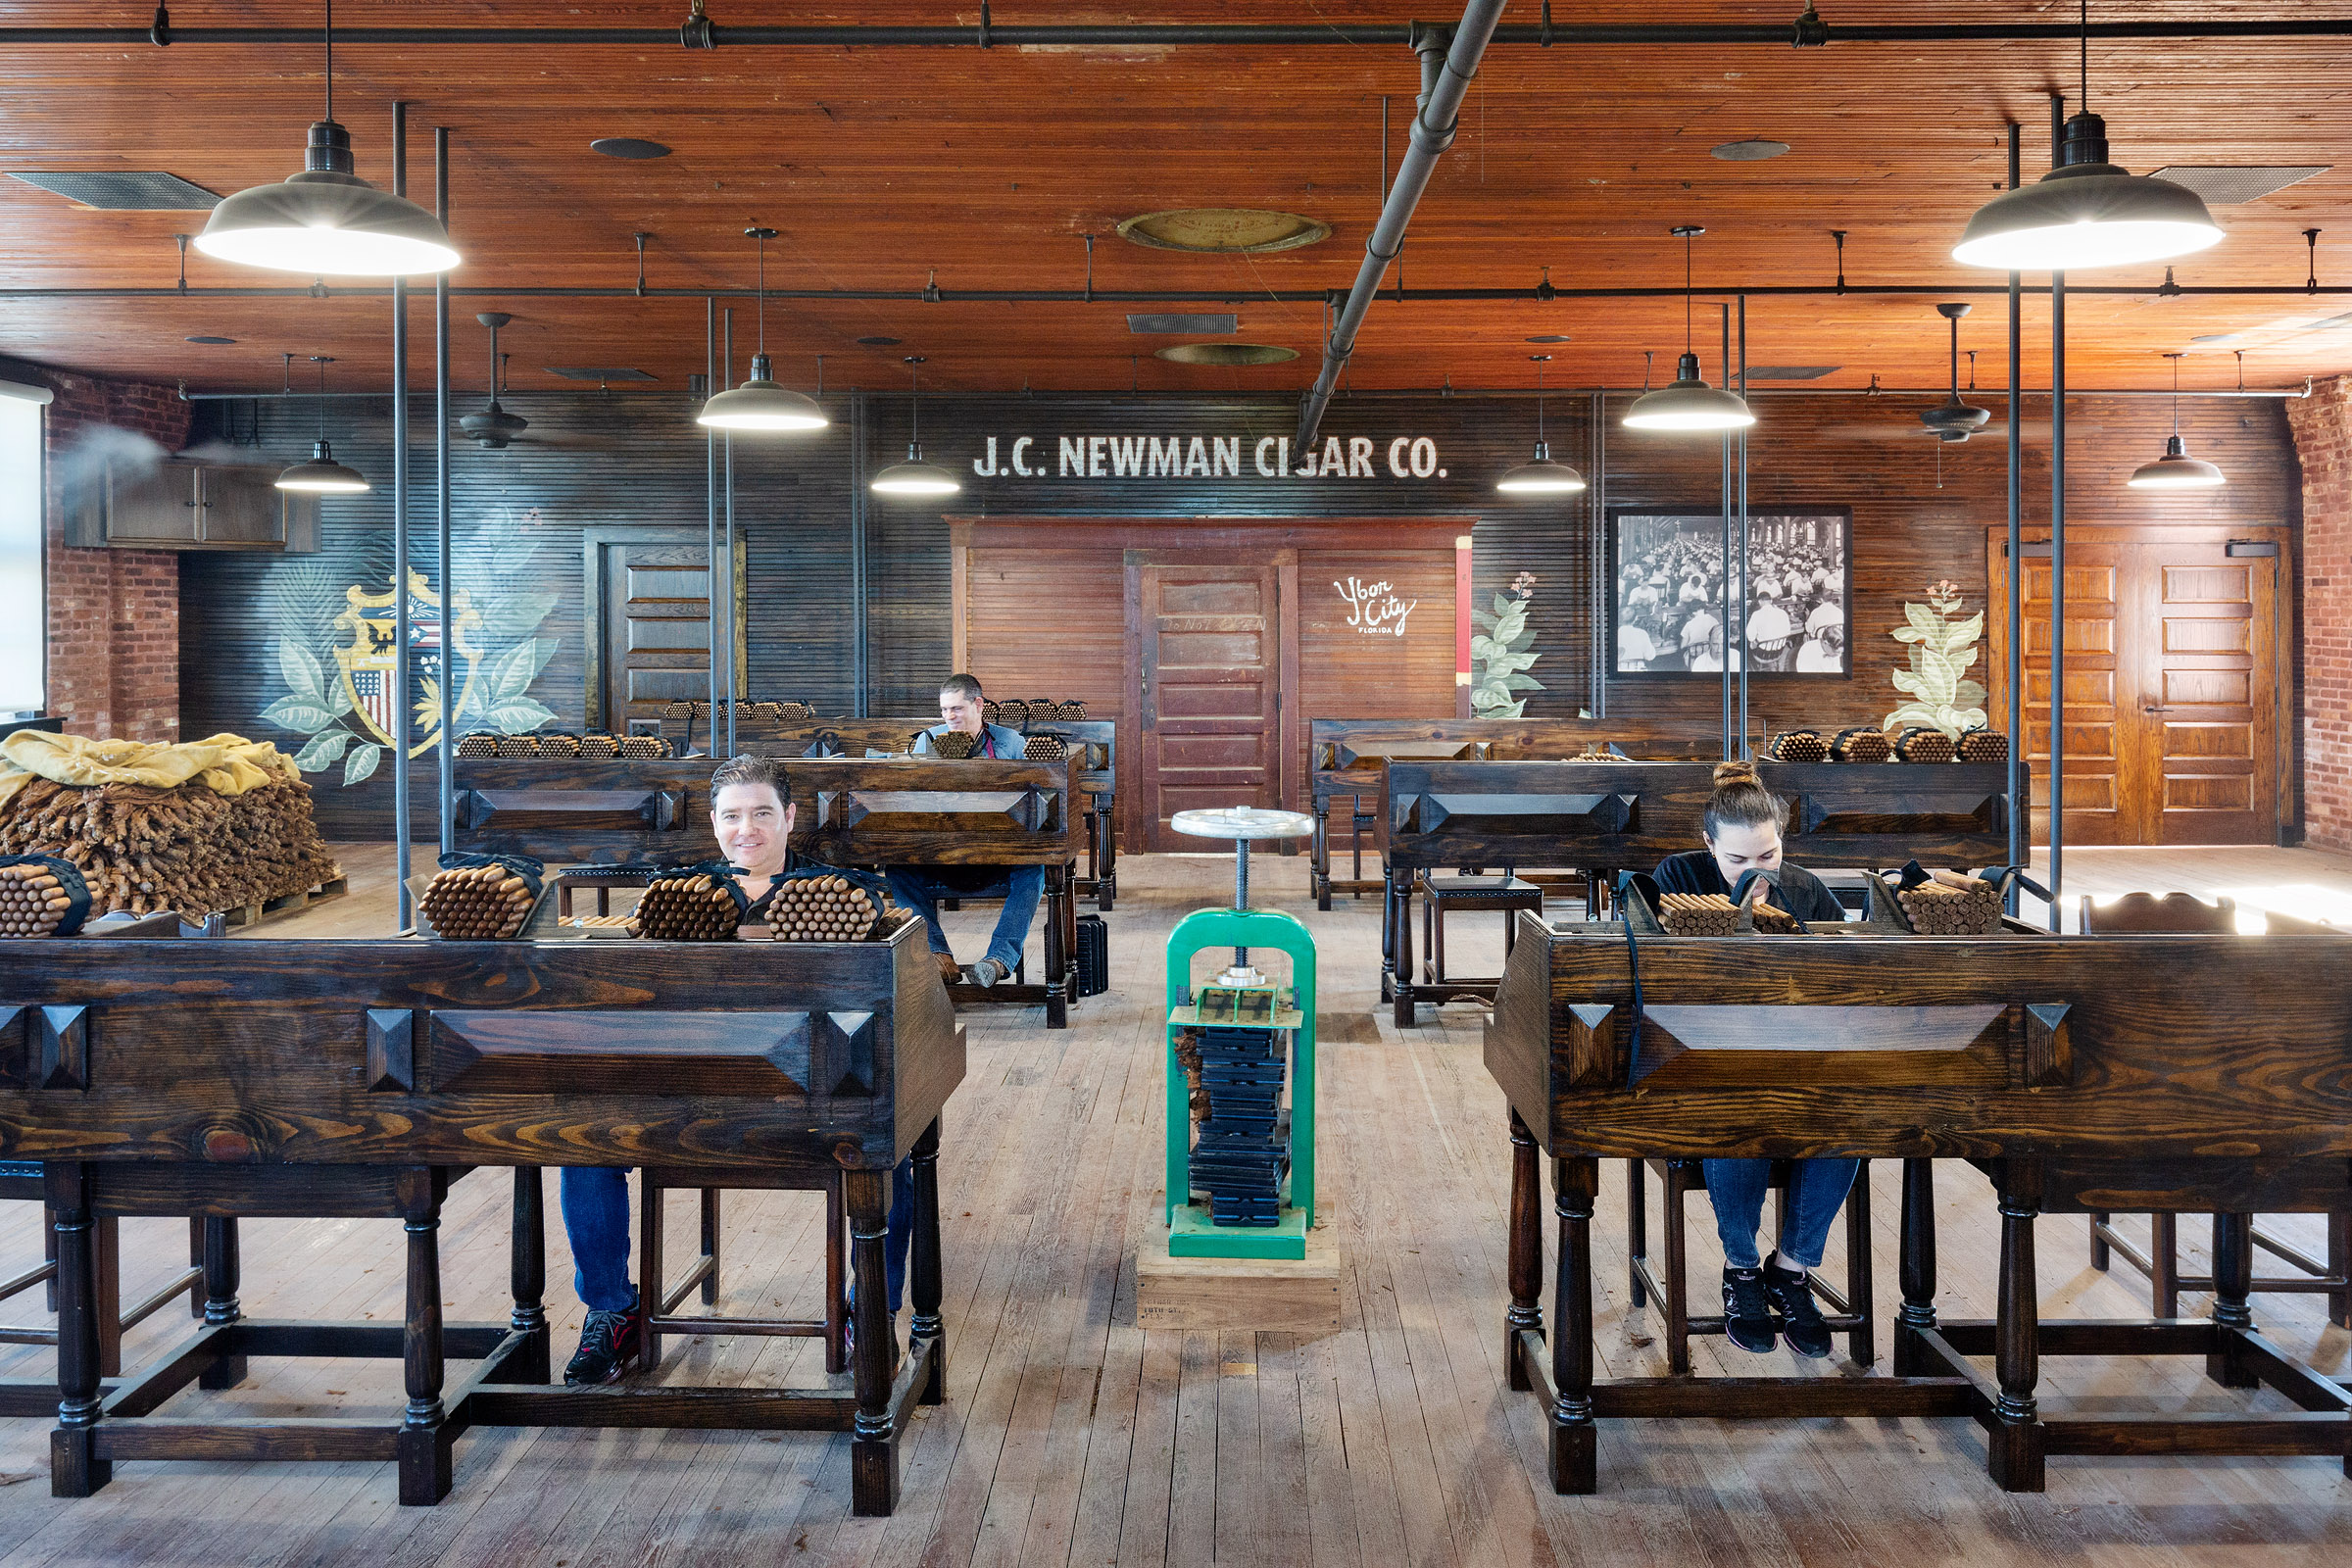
{"x": 328, "y": 222}
{"x": 1541, "y": 476}
{"x": 2176, "y": 470}
{"x": 760, "y": 404}
{"x": 322, "y": 476}
{"x": 915, "y": 478}
{"x": 2087, "y": 214}
{"x": 1690, "y": 403}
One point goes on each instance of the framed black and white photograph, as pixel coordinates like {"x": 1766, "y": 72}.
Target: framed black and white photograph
{"x": 1667, "y": 594}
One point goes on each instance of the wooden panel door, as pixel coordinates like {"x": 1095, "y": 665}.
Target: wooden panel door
{"x": 2172, "y": 684}
{"x": 1208, "y": 692}
{"x": 648, "y": 591}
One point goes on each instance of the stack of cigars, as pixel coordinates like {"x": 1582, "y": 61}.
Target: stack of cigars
{"x": 683, "y": 908}
{"x": 1711, "y": 914}
{"x": 821, "y": 909}
{"x": 32, "y": 901}
{"x": 477, "y": 904}
{"x": 1952, "y": 904}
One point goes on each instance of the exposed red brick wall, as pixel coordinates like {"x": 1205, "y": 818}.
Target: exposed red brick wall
{"x": 114, "y": 614}
{"x": 2323, "y": 428}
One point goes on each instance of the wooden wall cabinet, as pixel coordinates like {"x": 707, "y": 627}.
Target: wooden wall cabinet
{"x": 180, "y": 504}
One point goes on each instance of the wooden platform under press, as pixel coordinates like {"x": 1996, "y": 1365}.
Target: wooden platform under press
{"x": 285, "y": 903}
{"x": 1267, "y": 1296}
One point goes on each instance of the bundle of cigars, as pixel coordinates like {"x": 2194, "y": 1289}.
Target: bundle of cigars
{"x": 477, "y": 904}
{"x": 822, "y": 909}
{"x": 1861, "y": 744}
{"x": 955, "y": 745}
{"x": 1984, "y": 746}
{"x": 34, "y": 901}
{"x": 1044, "y": 748}
{"x": 1950, "y": 904}
{"x": 1799, "y": 746}
{"x": 1922, "y": 743}
{"x": 1711, "y": 914}
{"x": 689, "y": 907}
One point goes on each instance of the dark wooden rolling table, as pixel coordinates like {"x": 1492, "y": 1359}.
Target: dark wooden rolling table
{"x": 1604, "y": 817}
{"x": 2149, "y": 1073}
{"x": 851, "y": 812}
{"x": 362, "y": 1078}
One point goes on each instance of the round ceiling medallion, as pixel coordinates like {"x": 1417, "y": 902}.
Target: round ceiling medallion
{"x": 1226, "y": 354}
{"x": 1223, "y": 231}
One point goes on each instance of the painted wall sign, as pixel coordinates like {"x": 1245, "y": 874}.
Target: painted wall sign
{"x": 1374, "y": 609}
{"x": 1207, "y": 457}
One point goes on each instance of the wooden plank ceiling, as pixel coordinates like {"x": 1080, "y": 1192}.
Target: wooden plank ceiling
{"x": 882, "y": 164}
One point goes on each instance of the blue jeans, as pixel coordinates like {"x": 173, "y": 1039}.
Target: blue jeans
{"x": 1817, "y": 1190}
{"x": 920, "y": 888}
{"x": 596, "y": 1217}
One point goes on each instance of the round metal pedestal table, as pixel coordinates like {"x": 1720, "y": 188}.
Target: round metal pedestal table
{"x": 1243, "y": 825}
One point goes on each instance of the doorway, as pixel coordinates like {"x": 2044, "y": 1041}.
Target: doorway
{"x": 647, "y": 595}
{"x": 2174, "y": 681}
{"x": 1207, "y": 689}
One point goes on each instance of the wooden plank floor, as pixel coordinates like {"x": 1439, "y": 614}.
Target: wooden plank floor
{"x": 1071, "y": 1436}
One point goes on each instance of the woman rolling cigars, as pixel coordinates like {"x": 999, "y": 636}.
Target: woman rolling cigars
{"x": 1768, "y": 1297}
{"x": 750, "y": 816}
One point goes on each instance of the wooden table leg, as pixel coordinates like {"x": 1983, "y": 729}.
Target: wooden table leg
{"x": 2164, "y": 1264}
{"x": 2014, "y": 1447}
{"x": 1057, "y": 949}
{"x": 1574, "y": 1438}
{"x": 2232, "y": 1279}
{"x": 222, "y": 1269}
{"x": 1402, "y": 892}
{"x": 75, "y": 1468}
{"x": 1525, "y": 1265}
{"x": 109, "y": 1253}
{"x": 424, "y": 1444}
{"x": 923, "y": 1272}
{"x": 1637, "y": 1230}
{"x": 527, "y": 1277}
{"x": 874, "y": 1443}
{"x": 1318, "y": 864}
{"x": 1916, "y": 1270}
{"x": 1107, "y": 885}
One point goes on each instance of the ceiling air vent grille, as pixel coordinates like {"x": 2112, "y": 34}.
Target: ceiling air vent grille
{"x": 144, "y": 192}
{"x": 592, "y": 374}
{"x": 1203, "y": 324}
{"x": 1792, "y": 373}
{"x": 2230, "y": 187}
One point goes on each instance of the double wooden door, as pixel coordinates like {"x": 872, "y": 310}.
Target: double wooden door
{"x": 1208, "y": 692}
{"x": 2173, "y": 686}
{"x": 648, "y": 595}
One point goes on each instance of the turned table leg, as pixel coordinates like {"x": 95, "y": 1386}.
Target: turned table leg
{"x": 223, "y": 1268}
{"x": 1525, "y": 1267}
{"x": 924, "y": 1276}
{"x": 1917, "y": 1270}
{"x": 75, "y": 1468}
{"x": 2232, "y": 1280}
{"x": 424, "y": 1444}
{"x": 527, "y": 1277}
{"x": 1574, "y": 1451}
{"x": 874, "y": 1446}
{"x": 2015, "y": 1446}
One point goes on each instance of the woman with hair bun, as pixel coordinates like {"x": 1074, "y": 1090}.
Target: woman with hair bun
{"x": 1764, "y": 1298}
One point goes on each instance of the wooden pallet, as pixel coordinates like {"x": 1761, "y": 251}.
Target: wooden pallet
{"x": 285, "y": 903}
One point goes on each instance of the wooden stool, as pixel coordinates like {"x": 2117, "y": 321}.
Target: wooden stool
{"x": 664, "y": 1298}
{"x": 37, "y": 1397}
{"x": 2180, "y": 914}
{"x": 1462, "y": 895}
{"x": 1850, "y": 1311}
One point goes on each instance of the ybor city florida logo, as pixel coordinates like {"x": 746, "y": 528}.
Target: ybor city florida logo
{"x": 1374, "y": 609}
{"x": 1207, "y": 457}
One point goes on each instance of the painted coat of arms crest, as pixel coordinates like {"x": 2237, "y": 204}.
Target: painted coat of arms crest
{"x": 369, "y": 668}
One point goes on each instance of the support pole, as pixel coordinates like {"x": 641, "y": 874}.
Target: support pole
{"x": 710, "y": 387}
{"x": 2021, "y": 770}
{"x": 861, "y": 551}
{"x": 2057, "y": 562}
{"x": 446, "y": 786}
{"x": 1724, "y": 586}
{"x": 722, "y": 579}
{"x": 1745, "y": 652}
{"x": 400, "y": 671}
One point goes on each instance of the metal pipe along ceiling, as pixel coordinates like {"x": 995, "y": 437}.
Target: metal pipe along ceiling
{"x": 1804, "y": 32}
{"x": 1433, "y": 126}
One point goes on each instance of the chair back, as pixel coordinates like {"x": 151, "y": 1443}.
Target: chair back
{"x": 2147, "y": 914}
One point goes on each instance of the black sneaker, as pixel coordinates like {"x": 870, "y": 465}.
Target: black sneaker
{"x": 1747, "y": 1310}
{"x": 608, "y": 1343}
{"x": 1801, "y": 1322}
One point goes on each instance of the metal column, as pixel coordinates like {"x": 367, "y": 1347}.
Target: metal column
{"x": 401, "y": 670}
{"x": 2021, "y": 771}
{"x": 445, "y": 791}
{"x": 1745, "y": 652}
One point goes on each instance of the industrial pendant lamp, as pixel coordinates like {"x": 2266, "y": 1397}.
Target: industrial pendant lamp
{"x": 1541, "y": 476}
{"x": 322, "y": 476}
{"x": 759, "y": 403}
{"x": 2176, "y": 469}
{"x": 2086, "y": 212}
{"x": 1690, "y": 403}
{"x": 327, "y": 222}
{"x": 1952, "y": 420}
{"x": 914, "y": 477}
